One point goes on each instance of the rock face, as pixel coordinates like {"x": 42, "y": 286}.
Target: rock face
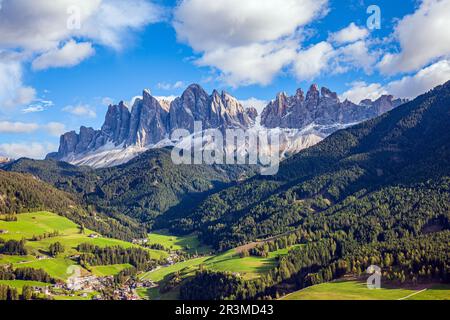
{"x": 214, "y": 111}
{"x": 321, "y": 108}
{"x": 150, "y": 121}
{"x": 117, "y": 123}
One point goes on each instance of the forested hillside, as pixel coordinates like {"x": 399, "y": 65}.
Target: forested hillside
{"x": 21, "y": 193}
{"x": 377, "y": 193}
{"x": 143, "y": 189}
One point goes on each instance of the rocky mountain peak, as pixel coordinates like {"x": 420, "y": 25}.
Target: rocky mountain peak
{"x": 300, "y": 95}
{"x": 321, "y": 107}
{"x": 312, "y": 96}
{"x": 327, "y": 93}
{"x": 151, "y": 121}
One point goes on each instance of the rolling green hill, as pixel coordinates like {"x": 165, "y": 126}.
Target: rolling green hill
{"x": 25, "y": 193}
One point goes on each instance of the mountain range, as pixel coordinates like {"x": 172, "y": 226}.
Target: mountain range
{"x": 304, "y": 121}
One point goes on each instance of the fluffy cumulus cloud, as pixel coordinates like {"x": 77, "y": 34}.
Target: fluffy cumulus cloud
{"x": 71, "y": 54}
{"x": 46, "y": 33}
{"x": 424, "y": 36}
{"x": 311, "y": 62}
{"x": 254, "y": 63}
{"x": 407, "y": 87}
{"x": 349, "y": 34}
{"x": 41, "y": 25}
{"x": 32, "y": 150}
{"x": 80, "y": 110}
{"x": 356, "y": 55}
{"x": 249, "y": 41}
{"x": 12, "y": 90}
{"x": 422, "y": 81}
{"x": 17, "y": 127}
{"x": 360, "y": 90}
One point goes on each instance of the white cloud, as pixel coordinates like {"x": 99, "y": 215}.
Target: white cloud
{"x": 31, "y": 28}
{"x": 38, "y": 105}
{"x": 80, "y": 111}
{"x": 424, "y": 36}
{"x": 71, "y": 54}
{"x": 311, "y": 62}
{"x": 424, "y": 80}
{"x": 258, "y": 104}
{"x": 12, "y": 90}
{"x": 253, "y": 64}
{"x": 349, "y": 34}
{"x": 107, "y": 101}
{"x": 171, "y": 86}
{"x": 249, "y": 42}
{"x": 53, "y": 128}
{"x": 32, "y": 150}
{"x": 17, "y": 127}
{"x": 407, "y": 87}
{"x": 41, "y": 25}
{"x": 355, "y": 56}
{"x": 239, "y": 23}
{"x": 360, "y": 91}
{"x": 32, "y": 109}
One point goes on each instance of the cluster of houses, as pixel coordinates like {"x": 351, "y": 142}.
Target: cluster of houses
{"x": 140, "y": 241}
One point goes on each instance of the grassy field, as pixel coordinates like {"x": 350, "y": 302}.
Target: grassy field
{"x": 19, "y": 284}
{"x": 355, "y": 290}
{"x": 39, "y": 223}
{"x": 248, "y": 267}
{"x": 4, "y": 259}
{"x": 229, "y": 261}
{"x": 189, "y": 243}
{"x": 57, "y": 268}
{"x": 185, "y": 267}
{"x": 111, "y": 270}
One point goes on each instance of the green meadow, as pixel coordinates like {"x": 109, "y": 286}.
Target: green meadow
{"x": 19, "y": 284}
{"x": 356, "y": 290}
{"x": 111, "y": 270}
{"x": 184, "y": 267}
{"x": 39, "y": 223}
{"x": 229, "y": 261}
{"x": 57, "y": 267}
{"x": 189, "y": 243}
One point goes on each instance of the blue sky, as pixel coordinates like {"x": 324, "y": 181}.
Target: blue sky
{"x": 53, "y": 80}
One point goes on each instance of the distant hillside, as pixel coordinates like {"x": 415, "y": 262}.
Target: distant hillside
{"x": 21, "y": 193}
{"x": 144, "y": 188}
